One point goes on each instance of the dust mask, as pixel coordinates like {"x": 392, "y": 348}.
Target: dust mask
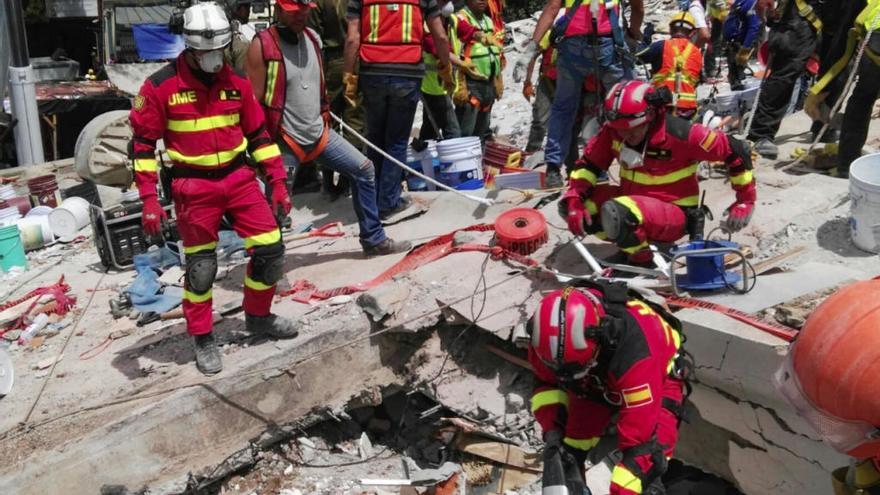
{"x": 447, "y": 9}
{"x": 630, "y": 158}
{"x": 211, "y": 62}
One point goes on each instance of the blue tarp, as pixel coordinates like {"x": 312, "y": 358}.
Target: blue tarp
{"x": 156, "y": 42}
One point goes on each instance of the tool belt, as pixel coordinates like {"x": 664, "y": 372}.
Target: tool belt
{"x": 208, "y": 173}
{"x": 301, "y": 154}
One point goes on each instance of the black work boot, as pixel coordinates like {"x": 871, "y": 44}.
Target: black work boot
{"x": 271, "y": 325}
{"x": 553, "y": 177}
{"x": 388, "y": 246}
{"x": 207, "y": 354}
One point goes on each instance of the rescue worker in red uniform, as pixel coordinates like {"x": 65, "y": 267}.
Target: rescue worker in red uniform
{"x": 658, "y": 196}
{"x": 208, "y": 117}
{"x": 598, "y": 350}
{"x": 677, "y": 63}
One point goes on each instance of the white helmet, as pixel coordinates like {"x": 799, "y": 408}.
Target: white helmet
{"x": 205, "y": 27}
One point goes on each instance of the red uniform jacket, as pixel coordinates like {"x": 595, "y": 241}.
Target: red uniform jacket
{"x": 669, "y": 170}
{"x": 204, "y": 127}
{"x": 635, "y": 376}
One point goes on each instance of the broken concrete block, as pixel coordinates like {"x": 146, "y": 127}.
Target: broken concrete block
{"x": 515, "y": 402}
{"x": 385, "y": 300}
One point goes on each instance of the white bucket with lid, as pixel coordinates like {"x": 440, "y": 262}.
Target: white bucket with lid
{"x": 35, "y": 232}
{"x": 864, "y": 193}
{"x": 70, "y": 216}
{"x": 7, "y": 191}
{"x": 461, "y": 155}
{"x": 8, "y": 216}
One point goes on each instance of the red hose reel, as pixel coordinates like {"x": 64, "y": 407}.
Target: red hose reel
{"x": 521, "y": 230}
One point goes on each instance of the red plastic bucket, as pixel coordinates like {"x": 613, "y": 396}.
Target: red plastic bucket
{"x": 44, "y": 191}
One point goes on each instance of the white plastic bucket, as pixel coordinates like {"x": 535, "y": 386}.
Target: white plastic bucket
{"x": 461, "y": 155}
{"x": 35, "y": 232}
{"x": 8, "y": 216}
{"x": 7, "y": 191}
{"x": 69, "y": 217}
{"x": 864, "y": 193}
{"x": 39, "y": 211}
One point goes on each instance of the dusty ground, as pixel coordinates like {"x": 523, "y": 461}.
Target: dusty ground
{"x": 793, "y": 210}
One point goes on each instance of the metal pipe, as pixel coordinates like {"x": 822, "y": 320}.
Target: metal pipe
{"x": 28, "y": 135}
{"x": 17, "y": 37}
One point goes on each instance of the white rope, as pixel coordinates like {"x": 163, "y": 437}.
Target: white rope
{"x": 844, "y": 95}
{"x": 482, "y": 201}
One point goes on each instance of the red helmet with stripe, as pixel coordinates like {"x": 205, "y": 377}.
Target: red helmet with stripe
{"x": 563, "y": 331}
{"x": 627, "y": 105}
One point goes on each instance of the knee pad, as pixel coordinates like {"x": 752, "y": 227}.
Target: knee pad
{"x": 268, "y": 263}
{"x": 619, "y": 224}
{"x": 201, "y": 269}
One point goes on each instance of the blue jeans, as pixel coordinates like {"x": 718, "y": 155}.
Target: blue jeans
{"x": 573, "y": 64}
{"x": 390, "y": 107}
{"x": 340, "y": 156}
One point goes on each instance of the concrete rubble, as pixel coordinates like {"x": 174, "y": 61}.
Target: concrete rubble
{"x": 402, "y": 380}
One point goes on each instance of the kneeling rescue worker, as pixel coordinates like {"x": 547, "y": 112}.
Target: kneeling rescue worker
{"x": 600, "y": 350}
{"x": 658, "y": 196}
{"x": 208, "y": 117}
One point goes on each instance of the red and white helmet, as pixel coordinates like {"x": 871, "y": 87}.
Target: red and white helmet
{"x": 627, "y": 106}
{"x": 563, "y": 331}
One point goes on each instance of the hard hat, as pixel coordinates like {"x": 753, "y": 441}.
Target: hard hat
{"x": 294, "y": 5}
{"x": 627, "y": 105}
{"x": 682, "y": 20}
{"x": 830, "y": 373}
{"x": 564, "y": 331}
{"x": 205, "y": 27}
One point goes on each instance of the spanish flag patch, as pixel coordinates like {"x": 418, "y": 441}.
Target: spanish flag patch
{"x": 707, "y": 141}
{"x": 637, "y": 396}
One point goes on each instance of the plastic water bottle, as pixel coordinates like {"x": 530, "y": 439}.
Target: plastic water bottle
{"x": 31, "y": 331}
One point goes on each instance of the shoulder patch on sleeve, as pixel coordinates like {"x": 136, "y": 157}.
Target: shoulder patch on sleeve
{"x": 707, "y": 141}
{"x": 138, "y": 103}
{"x": 637, "y": 396}
{"x": 163, "y": 74}
{"x": 678, "y": 127}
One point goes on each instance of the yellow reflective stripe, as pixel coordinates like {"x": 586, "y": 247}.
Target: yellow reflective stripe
{"x": 591, "y": 207}
{"x": 196, "y": 298}
{"x": 211, "y": 160}
{"x": 406, "y": 25}
{"x": 806, "y": 11}
{"x": 271, "y": 78}
{"x": 742, "y": 179}
{"x": 374, "y": 24}
{"x": 146, "y": 165}
{"x": 624, "y": 478}
{"x": 201, "y": 247}
{"x": 584, "y": 174}
{"x": 203, "y": 123}
{"x": 687, "y": 201}
{"x": 634, "y": 249}
{"x": 266, "y": 152}
{"x": 253, "y": 284}
{"x": 549, "y": 398}
{"x": 581, "y": 443}
{"x": 631, "y": 206}
{"x": 657, "y": 180}
{"x": 263, "y": 239}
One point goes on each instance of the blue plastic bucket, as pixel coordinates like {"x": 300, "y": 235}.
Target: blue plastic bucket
{"x": 11, "y": 248}
{"x": 705, "y": 271}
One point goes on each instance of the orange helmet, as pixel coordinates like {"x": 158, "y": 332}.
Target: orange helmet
{"x": 830, "y": 373}
{"x": 564, "y": 332}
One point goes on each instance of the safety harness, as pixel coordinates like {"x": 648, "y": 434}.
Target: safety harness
{"x": 276, "y": 90}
